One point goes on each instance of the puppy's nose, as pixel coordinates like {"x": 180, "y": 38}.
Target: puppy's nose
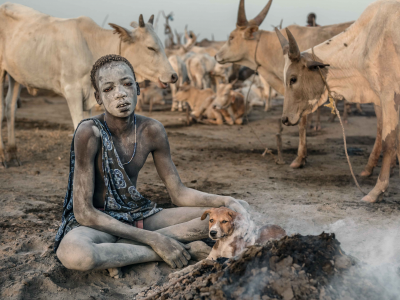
{"x": 213, "y": 233}
{"x": 285, "y": 120}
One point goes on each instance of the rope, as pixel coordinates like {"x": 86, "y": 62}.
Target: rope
{"x": 246, "y": 103}
{"x": 334, "y": 110}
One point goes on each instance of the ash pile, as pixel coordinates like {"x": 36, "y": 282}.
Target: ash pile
{"x": 295, "y": 267}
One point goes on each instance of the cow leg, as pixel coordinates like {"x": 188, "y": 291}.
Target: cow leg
{"x": 268, "y": 102}
{"x": 11, "y": 109}
{"x": 227, "y": 116}
{"x": 73, "y": 94}
{"x": 2, "y": 106}
{"x": 376, "y": 150}
{"x": 300, "y": 160}
{"x": 175, "y": 103}
{"x": 389, "y": 139}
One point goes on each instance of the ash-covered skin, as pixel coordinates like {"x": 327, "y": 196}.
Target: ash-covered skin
{"x": 117, "y": 89}
{"x": 95, "y": 244}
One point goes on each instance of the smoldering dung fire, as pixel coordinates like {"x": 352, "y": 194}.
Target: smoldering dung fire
{"x": 295, "y": 267}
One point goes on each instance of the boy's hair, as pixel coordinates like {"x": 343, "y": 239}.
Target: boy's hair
{"x": 106, "y": 59}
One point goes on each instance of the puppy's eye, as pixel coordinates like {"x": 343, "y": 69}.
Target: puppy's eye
{"x": 223, "y": 222}
{"x": 107, "y": 90}
{"x": 293, "y": 80}
{"x": 151, "y": 49}
{"x": 211, "y": 220}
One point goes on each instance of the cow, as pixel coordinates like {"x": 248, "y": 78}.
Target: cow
{"x": 241, "y": 48}
{"x": 180, "y": 68}
{"x": 361, "y": 65}
{"x": 195, "y": 98}
{"x": 231, "y": 104}
{"x": 43, "y": 52}
{"x": 199, "y": 66}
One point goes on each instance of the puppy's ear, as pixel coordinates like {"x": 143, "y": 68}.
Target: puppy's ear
{"x": 207, "y": 212}
{"x": 233, "y": 214}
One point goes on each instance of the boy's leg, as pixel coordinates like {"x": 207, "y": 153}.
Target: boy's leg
{"x": 85, "y": 248}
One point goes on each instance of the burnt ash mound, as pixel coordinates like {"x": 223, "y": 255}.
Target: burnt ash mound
{"x": 295, "y": 267}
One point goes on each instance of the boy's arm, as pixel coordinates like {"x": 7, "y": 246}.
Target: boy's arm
{"x": 87, "y": 144}
{"x": 180, "y": 194}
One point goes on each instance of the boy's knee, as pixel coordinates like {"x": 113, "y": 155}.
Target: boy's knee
{"x": 76, "y": 257}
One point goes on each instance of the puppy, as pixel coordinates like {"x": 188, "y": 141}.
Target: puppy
{"x": 233, "y": 233}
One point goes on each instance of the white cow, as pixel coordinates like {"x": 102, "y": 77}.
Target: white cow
{"x": 43, "y": 52}
{"x": 180, "y": 68}
{"x": 361, "y": 65}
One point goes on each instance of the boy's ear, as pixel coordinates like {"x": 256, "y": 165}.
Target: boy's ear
{"x": 137, "y": 89}
{"x": 97, "y": 96}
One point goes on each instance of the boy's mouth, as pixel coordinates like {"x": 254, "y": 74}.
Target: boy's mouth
{"x": 123, "y": 105}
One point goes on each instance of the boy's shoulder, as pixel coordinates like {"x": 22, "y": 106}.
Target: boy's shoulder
{"x": 150, "y": 126}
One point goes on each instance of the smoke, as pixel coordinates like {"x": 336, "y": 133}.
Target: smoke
{"x": 375, "y": 248}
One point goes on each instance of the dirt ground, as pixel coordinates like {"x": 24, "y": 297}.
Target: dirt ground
{"x": 216, "y": 159}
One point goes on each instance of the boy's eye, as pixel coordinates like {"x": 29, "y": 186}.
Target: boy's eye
{"x": 107, "y": 90}
{"x": 128, "y": 84}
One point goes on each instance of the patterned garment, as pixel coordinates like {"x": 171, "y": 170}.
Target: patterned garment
{"x": 122, "y": 201}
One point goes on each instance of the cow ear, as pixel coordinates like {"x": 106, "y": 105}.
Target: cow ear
{"x": 124, "y": 34}
{"x": 205, "y": 214}
{"x": 313, "y": 65}
{"x": 249, "y": 32}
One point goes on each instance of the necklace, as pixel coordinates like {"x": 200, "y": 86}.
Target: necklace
{"x": 134, "y": 149}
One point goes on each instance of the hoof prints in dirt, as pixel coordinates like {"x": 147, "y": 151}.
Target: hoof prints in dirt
{"x": 296, "y": 267}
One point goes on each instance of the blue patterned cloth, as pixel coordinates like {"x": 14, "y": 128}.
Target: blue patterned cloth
{"x": 122, "y": 201}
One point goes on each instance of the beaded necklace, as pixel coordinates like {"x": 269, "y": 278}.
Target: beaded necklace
{"x": 134, "y": 149}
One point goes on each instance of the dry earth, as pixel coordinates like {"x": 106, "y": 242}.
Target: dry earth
{"x": 225, "y": 160}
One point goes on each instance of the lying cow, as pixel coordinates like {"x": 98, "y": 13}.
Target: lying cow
{"x": 231, "y": 104}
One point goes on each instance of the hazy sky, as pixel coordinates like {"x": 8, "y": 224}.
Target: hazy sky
{"x": 204, "y": 17}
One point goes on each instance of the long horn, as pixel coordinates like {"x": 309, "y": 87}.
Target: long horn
{"x": 294, "y": 52}
{"x": 151, "y": 20}
{"x": 284, "y": 42}
{"x": 141, "y": 21}
{"x": 241, "y": 19}
{"x": 261, "y": 16}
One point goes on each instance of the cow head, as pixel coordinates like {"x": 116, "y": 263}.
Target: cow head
{"x": 241, "y": 45}
{"x": 303, "y": 83}
{"x": 144, "y": 50}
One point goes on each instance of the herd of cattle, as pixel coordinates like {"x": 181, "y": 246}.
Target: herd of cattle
{"x": 360, "y": 61}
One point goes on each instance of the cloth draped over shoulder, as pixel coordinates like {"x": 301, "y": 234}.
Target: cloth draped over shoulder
{"x": 122, "y": 201}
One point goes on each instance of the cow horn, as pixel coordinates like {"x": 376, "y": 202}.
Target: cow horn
{"x": 261, "y": 16}
{"x": 241, "y": 19}
{"x": 151, "y": 20}
{"x": 284, "y": 42}
{"x": 141, "y": 21}
{"x": 294, "y": 52}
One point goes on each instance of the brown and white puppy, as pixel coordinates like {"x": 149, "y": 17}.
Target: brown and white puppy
{"x": 233, "y": 233}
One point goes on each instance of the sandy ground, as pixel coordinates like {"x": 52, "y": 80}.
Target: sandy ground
{"x": 225, "y": 160}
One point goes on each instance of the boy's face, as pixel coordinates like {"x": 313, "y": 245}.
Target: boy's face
{"x": 117, "y": 89}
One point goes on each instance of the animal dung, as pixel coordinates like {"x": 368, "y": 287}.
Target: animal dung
{"x": 294, "y": 267}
